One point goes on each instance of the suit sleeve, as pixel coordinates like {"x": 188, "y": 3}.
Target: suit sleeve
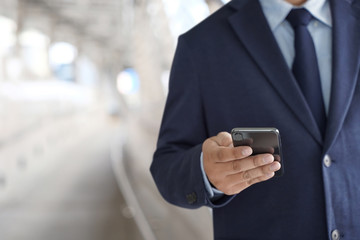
{"x": 176, "y": 166}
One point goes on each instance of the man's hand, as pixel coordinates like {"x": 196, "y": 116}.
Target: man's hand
{"x": 232, "y": 169}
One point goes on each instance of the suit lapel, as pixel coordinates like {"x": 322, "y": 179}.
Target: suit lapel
{"x": 346, "y": 51}
{"x": 253, "y": 31}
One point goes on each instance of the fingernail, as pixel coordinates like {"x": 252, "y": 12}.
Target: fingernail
{"x": 275, "y": 166}
{"x": 268, "y": 159}
{"x": 270, "y": 174}
{"x": 247, "y": 151}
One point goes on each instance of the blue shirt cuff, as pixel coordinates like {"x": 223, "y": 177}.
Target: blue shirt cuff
{"x": 213, "y": 193}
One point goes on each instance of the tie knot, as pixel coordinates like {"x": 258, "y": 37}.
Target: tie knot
{"x": 299, "y": 17}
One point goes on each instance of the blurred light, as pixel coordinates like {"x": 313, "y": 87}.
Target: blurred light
{"x": 184, "y": 14}
{"x": 33, "y": 38}
{"x": 62, "y": 53}
{"x": 35, "y": 49}
{"x": 8, "y": 28}
{"x": 128, "y": 82}
{"x": 225, "y": 1}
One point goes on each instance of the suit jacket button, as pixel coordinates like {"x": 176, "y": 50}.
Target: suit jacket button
{"x": 191, "y": 198}
{"x": 335, "y": 235}
{"x": 327, "y": 160}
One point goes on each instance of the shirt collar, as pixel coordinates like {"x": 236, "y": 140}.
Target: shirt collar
{"x": 276, "y": 11}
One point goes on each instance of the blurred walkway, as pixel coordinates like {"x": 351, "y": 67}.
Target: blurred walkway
{"x": 80, "y": 200}
{"x": 57, "y": 180}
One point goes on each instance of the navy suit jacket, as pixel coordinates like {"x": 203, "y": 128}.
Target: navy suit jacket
{"x": 228, "y": 72}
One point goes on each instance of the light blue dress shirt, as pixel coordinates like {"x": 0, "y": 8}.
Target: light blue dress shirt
{"x": 320, "y": 29}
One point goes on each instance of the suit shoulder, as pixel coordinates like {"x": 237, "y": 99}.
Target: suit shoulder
{"x": 217, "y": 23}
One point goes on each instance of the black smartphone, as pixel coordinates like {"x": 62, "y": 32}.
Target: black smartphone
{"x": 261, "y": 140}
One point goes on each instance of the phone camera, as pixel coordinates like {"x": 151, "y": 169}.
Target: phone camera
{"x": 237, "y": 136}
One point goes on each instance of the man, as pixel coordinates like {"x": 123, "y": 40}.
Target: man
{"x": 240, "y": 68}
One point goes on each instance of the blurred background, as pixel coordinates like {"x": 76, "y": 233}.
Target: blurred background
{"x": 83, "y": 84}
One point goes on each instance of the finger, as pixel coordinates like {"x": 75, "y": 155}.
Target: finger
{"x": 253, "y": 173}
{"x": 260, "y": 179}
{"x": 220, "y": 140}
{"x": 242, "y": 186}
{"x": 228, "y": 154}
{"x": 244, "y": 164}
{"x": 248, "y": 163}
{"x": 223, "y": 139}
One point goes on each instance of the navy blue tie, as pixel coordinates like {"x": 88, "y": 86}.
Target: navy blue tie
{"x": 305, "y": 67}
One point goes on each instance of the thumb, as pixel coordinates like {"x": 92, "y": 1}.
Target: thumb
{"x": 223, "y": 139}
